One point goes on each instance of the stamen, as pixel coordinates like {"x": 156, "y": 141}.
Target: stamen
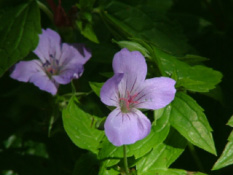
{"x": 125, "y": 107}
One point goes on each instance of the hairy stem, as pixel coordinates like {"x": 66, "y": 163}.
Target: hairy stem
{"x": 125, "y": 161}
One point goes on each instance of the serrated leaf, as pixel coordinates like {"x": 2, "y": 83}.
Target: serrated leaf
{"x": 230, "y": 122}
{"x": 19, "y": 29}
{"x": 159, "y": 132}
{"x": 226, "y": 158}
{"x": 188, "y": 118}
{"x": 163, "y": 154}
{"x": 96, "y": 87}
{"x": 192, "y": 59}
{"x": 80, "y": 127}
{"x": 171, "y": 172}
{"x": 194, "y": 78}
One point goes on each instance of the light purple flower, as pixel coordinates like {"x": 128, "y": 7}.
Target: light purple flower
{"x": 58, "y": 63}
{"x": 128, "y": 90}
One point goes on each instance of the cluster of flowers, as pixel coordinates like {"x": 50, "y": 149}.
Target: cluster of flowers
{"x": 127, "y": 90}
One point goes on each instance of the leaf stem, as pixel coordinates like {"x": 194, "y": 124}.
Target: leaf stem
{"x": 45, "y": 9}
{"x": 125, "y": 160}
{"x": 195, "y": 157}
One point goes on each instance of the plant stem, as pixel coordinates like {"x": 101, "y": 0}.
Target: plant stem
{"x": 195, "y": 157}
{"x": 125, "y": 160}
{"x": 45, "y": 9}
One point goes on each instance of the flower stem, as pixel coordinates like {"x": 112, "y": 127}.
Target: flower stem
{"x": 45, "y": 10}
{"x": 125, "y": 160}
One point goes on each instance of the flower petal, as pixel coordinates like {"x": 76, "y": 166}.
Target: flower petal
{"x": 126, "y": 128}
{"x": 32, "y": 71}
{"x": 49, "y": 44}
{"x": 109, "y": 91}
{"x": 68, "y": 73}
{"x": 75, "y": 53}
{"x": 156, "y": 93}
{"x": 134, "y": 67}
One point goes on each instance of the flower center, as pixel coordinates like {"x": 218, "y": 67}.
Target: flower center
{"x": 126, "y": 104}
{"x": 51, "y": 66}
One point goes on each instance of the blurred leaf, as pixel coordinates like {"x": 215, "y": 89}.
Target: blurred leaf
{"x": 87, "y": 31}
{"x": 126, "y": 21}
{"x": 19, "y": 28}
{"x": 86, "y": 5}
{"x": 87, "y": 164}
{"x": 158, "y": 133}
{"x": 194, "y": 78}
{"x": 163, "y": 154}
{"x": 164, "y": 171}
{"x": 96, "y": 87}
{"x": 188, "y": 118}
{"x": 230, "y": 122}
{"x": 192, "y": 59}
{"x": 80, "y": 127}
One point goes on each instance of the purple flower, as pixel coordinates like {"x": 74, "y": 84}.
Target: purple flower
{"x": 59, "y": 63}
{"x": 128, "y": 90}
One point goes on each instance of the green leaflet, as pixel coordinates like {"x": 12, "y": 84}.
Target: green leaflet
{"x": 196, "y": 78}
{"x": 188, "y": 118}
{"x": 227, "y": 156}
{"x": 163, "y": 154}
{"x": 80, "y": 127}
{"x": 19, "y": 29}
{"x": 165, "y": 171}
{"x": 96, "y": 87}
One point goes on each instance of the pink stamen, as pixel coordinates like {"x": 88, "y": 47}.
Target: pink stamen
{"x": 129, "y": 100}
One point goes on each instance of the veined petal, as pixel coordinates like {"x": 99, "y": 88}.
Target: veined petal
{"x": 25, "y": 69}
{"x": 109, "y": 91}
{"x": 126, "y": 128}
{"x": 49, "y": 44}
{"x": 156, "y": 93}
{"x": 74, "y": 54}
{"x": 32, "y": 71}
{"x": 134, "y": 67}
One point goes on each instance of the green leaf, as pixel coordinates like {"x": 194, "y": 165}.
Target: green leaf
{"x": 19, "y": 28}
{"x": 164, "y": 171}
{"x": 226, "y": 158}
{"x": 96, "y": 87}
{"x": 132, "y": 46}
{"x": 126, "y": 21}
{"x": 80, "y": 127}
{"x": 158, "y": 133}
{"x": 194, "y": 78}
{"x": 230, "y": 122}
{"x": 188, "y": 118}
{"x": 163, "y": 154}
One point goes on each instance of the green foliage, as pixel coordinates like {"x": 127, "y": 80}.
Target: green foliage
{"x": 226, "y": 158}
{"x": 80, "y": 127}
{"x": 19, "y": 29}
{"x": 196, "y": 78}
{"x": 96, "y": 87}
{"x": 188, "y": 118}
